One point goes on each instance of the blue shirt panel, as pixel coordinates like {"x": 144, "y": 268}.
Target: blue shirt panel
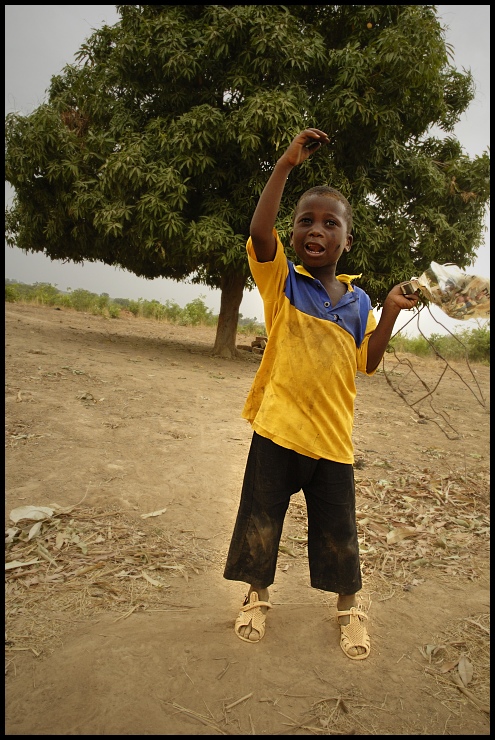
{"x": 309, "y": 296}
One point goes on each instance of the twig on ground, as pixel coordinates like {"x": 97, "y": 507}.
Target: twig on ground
{"x": 235, "y": 703}
{"x": 199, "y": 717}
{"x": 127, "y": 614}
{"x": 484, "y": 707}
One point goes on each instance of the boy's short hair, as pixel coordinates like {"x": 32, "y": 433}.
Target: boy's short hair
{"x": 332, "y": 193}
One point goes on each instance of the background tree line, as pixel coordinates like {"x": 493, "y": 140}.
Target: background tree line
{"x": 472, "y": 343}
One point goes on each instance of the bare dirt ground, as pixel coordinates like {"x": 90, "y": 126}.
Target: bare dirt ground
{"x": 123, "y": 624}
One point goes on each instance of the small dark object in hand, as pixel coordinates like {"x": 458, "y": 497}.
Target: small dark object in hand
{"x": 407, "y": 288}
{"x": 311, "y": 143}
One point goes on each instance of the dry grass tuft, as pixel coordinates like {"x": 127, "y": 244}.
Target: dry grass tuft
{"x": 84, "y": 562}
{"x": 459, "y": 661}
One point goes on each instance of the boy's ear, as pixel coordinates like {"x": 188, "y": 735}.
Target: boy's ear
{"x": 348, "y": 242}
{"x": 291, "y": 235}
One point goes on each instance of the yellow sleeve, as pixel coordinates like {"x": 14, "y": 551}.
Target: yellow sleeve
{"x": 270, "y": 278}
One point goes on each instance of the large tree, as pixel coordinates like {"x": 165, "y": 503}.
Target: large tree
{"x": 151, "y": 151}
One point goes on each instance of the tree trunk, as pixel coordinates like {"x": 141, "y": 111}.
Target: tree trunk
{"x": 225, "y": 341}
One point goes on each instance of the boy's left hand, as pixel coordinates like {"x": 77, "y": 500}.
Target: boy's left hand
{"x": 399, "y": 301}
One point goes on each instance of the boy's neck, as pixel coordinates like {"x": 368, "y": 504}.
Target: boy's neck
{"x": 326, "y": 275}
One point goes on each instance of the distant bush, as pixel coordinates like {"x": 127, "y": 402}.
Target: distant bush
{"x": 46, "y": 294}
{"x": 193, "y": 314}
{"x": 196, "y": 312}
{"x": 122, "y": 302}
{"x": 12, "y": 294}
{"x": 134, "y": 308}
{"x": 471, "y": 344}
{"x": 40, "y": 293}
{"x": 173, "y": 311}
{"x": 64, "y": 301}
{"x": 250, "y": 326}
{"x": 415, "y": 345}
{"x": 82, "y": 300}
{"x": 476, "y": 343}
{"x": 151, "y": 309}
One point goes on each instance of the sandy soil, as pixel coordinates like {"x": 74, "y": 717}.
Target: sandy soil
{"x": 120, "y": 418}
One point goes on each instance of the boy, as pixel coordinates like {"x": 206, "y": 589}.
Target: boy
{"x": 321, "y": 330}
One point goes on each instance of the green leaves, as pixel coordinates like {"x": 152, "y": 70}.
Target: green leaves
{"x": 152, "y": 151}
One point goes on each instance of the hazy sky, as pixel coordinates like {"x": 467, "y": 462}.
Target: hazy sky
{"x": 41, "y": 39}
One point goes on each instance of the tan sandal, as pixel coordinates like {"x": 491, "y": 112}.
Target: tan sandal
{"x": 355, "y": 633}
{"x": 251, "y": 614}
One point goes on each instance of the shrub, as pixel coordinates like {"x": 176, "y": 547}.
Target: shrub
{"x": 12, "y": 294}
{"x": 134, "y": 308}
{"x": 470, "y": 344}
{"x": 477, "y": 343}
{"x": 113, "y": 311}
{"x": 82, "y": 300}
{"x": 64, "y": 300}
{"x": 197, "y": 312}
{"x": 415, "y": 345}
{"x": 122, "y": 302}
{"x": 103, "y": 300}
{"x": 151, "y": 309}
{"x": 24, "y": 292}
{"x": 251, "y": 327}
{"x": 173, "y": 311}
{"x": 45, "y": 294}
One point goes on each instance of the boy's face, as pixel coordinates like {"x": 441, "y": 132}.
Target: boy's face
{"x": 319, "y": 234}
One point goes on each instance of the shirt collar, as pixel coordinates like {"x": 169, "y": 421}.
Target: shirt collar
{"x": 343, "y": 278}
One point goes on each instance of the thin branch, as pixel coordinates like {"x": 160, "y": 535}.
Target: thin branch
{"x": 483, "y": 404}
{"x": 430, "y": 392}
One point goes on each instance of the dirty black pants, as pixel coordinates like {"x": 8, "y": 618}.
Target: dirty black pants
{"x": 272, "y": 475}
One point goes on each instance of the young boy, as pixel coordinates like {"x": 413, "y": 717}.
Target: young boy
{"x": 321, "y": 330}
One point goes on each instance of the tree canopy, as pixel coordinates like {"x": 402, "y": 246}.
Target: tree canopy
{"x": 152, "y": 149}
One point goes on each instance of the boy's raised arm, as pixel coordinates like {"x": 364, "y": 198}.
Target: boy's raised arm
{"x": 263, "y": 221}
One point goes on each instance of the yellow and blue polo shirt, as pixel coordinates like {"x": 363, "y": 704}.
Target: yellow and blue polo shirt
{"x": 302, "y": 397}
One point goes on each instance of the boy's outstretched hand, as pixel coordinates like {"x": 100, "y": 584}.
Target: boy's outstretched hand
{"x": 303, "y": 145}
{"x": 399, "y": 301}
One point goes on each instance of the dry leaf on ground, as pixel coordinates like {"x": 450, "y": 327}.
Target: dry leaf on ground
{"x": 153, "y": 513}
{"x": 34, "y": 513}
{"x": 465, "y": 670}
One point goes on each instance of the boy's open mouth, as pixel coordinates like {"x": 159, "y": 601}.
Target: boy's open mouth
{"x": 313, "y": 248}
